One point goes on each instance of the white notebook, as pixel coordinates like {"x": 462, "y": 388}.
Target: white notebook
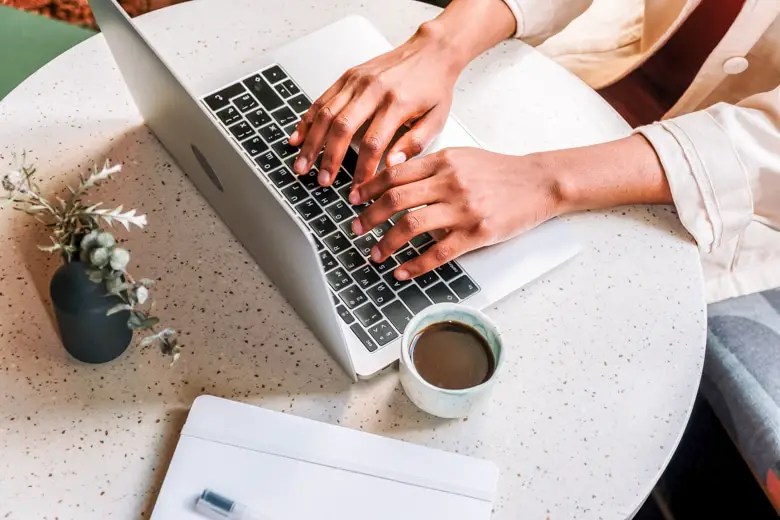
{"x": 289, "y": 468}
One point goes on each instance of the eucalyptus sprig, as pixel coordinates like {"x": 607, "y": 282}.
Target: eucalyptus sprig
{"x": 77, "y": 232}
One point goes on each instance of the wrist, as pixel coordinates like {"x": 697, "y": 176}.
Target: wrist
{"x": 434, "y": 36}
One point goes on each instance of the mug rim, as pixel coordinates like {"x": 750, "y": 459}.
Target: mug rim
{"x": 406, "y": 343}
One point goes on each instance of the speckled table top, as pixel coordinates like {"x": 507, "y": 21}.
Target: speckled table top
{"x": 605, "y": 352}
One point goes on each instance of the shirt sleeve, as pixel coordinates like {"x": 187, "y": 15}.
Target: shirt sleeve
{"x": 538, "y": 20}
{"x": 723, "y": 167}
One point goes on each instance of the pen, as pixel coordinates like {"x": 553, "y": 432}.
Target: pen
{"x": 215, "y": 506}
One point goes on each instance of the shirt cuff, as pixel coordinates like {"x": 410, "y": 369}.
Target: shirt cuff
{"x": 517, "y": 11}
{"x": 708, "y": 181}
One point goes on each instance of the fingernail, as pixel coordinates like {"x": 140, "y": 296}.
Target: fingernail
{"x": 402, "y": 274}
{"x": 354, "y": 198}
{"x": 396, "y": 158}
{"x": 301, "y": 166}
{"x": 375, "y": 255}
{"x": 324, "y": 177}
{"x": 294, "y": 137}
{"x": 357, "y": 227}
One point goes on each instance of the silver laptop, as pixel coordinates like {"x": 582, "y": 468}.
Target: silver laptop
{"x": 229, "y": 135}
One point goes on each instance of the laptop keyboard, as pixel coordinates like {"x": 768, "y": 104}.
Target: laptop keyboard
{"x": 261, "y": 112}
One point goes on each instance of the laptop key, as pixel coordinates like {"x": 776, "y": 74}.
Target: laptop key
{"x": 365, "y": 243}
{"x": 258, "y": 118}
{"x": 394, "y": 283}
{"x": 241, "y": 130}
{"x": 398, "y": 315}
{"x": 327, "y": 261}
{"x": 386, "y": 266}
{"x": 440, "y": 293}
{"x": 351, "y": 259}
{"x": 350, "y": 161}
{"x": 414, "y": 298}
{"x": 271, "y": 133}
{"x": 284, "y": 116}
{"x": 406, "y": 255}
{"x": 427, "y": 279}
{"x": 345, "y": 314}
{"x": 382, "y": 333}
{"x": 340, "y": 211}
{"x": 274, "y": 74}
{"x": 380, "y": 293}
{"x": 264, "y": 92}
{"x": 300, "y": 103}
{"x": 421, "y": 240}
{"x": 289, "y": 129}
{"x": 342, "y": 179}
{"x": 449, "y": 271}
{"x": 308, "y": 209}
{"x": 319, "y": 245}
{"x": 229, "y": 115}
{"x": 382, "y": 228}
{"x": 464, "y": 287}
{"x": 367, "y": 314}
{"x": 426, "y": 247}
{"x": 281, "y": 89}
{"x": 336, "y": 242}
{"x": 281, "y": 178}
{"x": 338, "y": 279}
{"x": 352, "y": 296}
{"x": 309, "y": 180}
{"x": 267, "y": 162}
{"x": 325, "y": 196}
{"x": 322, "y": 225}
{"x": 344, "y": 191}
{"x": 294, "y": 193}
{"x": 365, "y": 276}
{"x": 245, "y": 102}
{"x": 364, "y": 338}
{"x": 254, "y": 146}
{"x": 284, "y": 149}
{"x": 346, "y": 228}
{"x": 221, "y": 99}
{"x": 291, "y": 87}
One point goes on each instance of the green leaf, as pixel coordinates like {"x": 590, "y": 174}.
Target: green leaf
{"x": 149, "y": 322}
{"x": 134, "y": 322}
{"x": 95, "y": 275}
{"x": 146, "y": 282}
{"x": 119, "y": 307}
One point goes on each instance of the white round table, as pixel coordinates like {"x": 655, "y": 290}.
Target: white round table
{"x": 604, "y": 355}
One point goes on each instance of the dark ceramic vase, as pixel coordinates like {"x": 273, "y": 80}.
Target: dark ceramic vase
{"x": 80, "y": 307}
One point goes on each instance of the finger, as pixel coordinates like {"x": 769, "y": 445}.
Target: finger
{"x": 406, "y": 173}
{"x": 395, "y": 200}
{"x": 319, "y": 129}
{"x": 299, "y": 135}
{"x": 342, "y": 130}
{"x": 419, "y": 137}
{"x": 435, "y": 216}
{"x": 376, "y": 140}
{"x": 451, "y": 247}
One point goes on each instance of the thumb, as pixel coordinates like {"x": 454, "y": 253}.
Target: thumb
{"x": 419, "y": 137}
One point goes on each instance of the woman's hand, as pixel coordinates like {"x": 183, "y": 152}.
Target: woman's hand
{"x": 478, "y": 198}
{"x": 409, "y": 85}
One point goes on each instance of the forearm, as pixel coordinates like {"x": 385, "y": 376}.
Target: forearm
{"x": 626, "y": 171}
{"x": 467, "y": 28}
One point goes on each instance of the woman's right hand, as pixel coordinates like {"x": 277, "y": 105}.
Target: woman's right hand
{"x": 411, "y": 85}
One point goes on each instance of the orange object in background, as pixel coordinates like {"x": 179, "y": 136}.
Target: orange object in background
{"x": 78, "y": 12}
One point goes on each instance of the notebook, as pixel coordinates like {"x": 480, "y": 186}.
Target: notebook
{"x": 290, "y": 468}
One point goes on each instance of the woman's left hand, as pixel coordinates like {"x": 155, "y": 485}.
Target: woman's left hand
{"x": 476, "y": 197}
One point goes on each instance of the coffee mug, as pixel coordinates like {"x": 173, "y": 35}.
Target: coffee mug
{"x": 443, "y": 402}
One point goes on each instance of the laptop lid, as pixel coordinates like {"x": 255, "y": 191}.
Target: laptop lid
{"x": 283, "y": 249}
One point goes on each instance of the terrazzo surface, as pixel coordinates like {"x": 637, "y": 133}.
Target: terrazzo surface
{"x": 603, "y": 355}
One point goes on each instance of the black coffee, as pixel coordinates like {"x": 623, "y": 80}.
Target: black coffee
{"x": 452, "y": 355}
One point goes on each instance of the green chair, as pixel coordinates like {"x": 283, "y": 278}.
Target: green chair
{"x": 29, "y": 41}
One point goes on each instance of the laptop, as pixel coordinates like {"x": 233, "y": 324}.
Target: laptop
{"x": 229, "y": 135}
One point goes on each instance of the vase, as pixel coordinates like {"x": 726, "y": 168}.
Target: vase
{"x": 80, "y": 307}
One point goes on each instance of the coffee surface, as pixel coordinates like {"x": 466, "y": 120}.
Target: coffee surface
{"x": 452, "y": 355}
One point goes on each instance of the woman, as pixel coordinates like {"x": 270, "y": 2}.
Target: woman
{"x": 716, "y": 156}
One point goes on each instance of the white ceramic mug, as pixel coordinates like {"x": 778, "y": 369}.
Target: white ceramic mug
{"x": 443, "y": 402}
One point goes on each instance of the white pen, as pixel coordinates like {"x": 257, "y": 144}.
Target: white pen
{"x": 215, "y": 506}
